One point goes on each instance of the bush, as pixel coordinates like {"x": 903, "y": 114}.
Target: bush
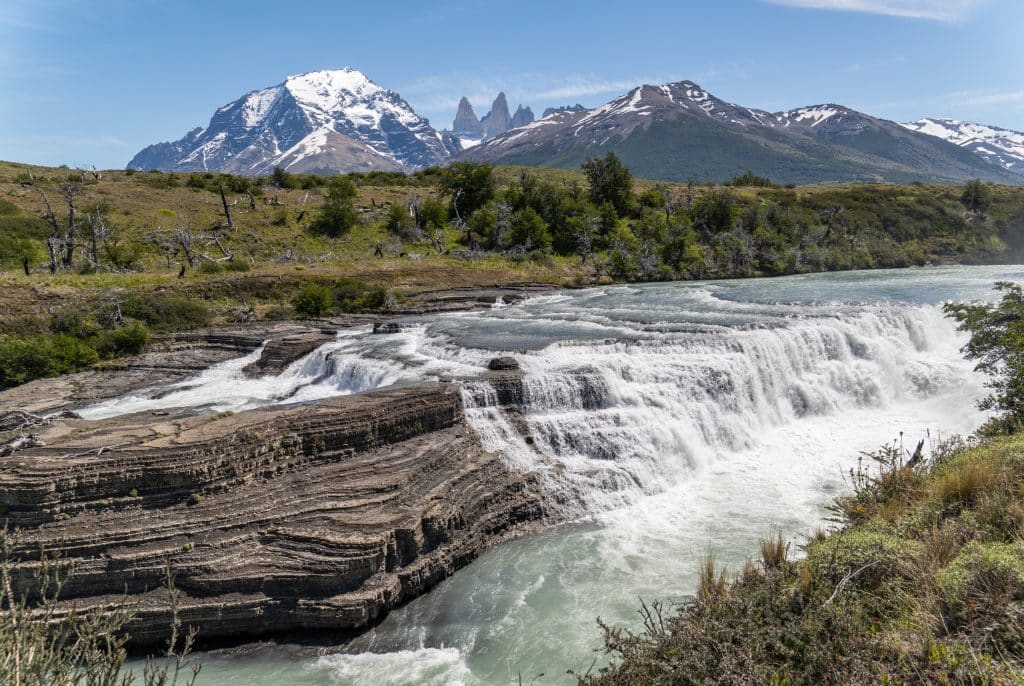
{"x": 239, "y": 266}
{"x": 165, "y": 312}
{"x": 313, "y": 300}
{"x": 278, "y": 313}
{"x": 982, "y": 574}
{"x": 43, "y": 355}
{"x": 997, "y": 343}
{"x": 207, "y": 267}
{"x": 338, "y": 214}
{"x": 129, "y": 339}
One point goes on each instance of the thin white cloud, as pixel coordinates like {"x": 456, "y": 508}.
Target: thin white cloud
{"x": 581, "y": 88}
{"x": 934, "y": 10}
{"x": 985, "y": 98}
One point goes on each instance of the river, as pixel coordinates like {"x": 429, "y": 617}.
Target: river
{"x": 674, "y": 420}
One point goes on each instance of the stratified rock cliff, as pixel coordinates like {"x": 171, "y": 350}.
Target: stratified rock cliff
{"x": 321, "y": 516}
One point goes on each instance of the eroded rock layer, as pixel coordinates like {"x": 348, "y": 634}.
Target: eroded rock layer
{"x": 321, "y": 516}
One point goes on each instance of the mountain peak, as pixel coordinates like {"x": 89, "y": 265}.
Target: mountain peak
{"x": 326, "y": 120}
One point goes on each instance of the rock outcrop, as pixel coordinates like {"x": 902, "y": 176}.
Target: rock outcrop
{"x": 565, "y": 108}
{"x": 278, "y": 353}
{"x": 466, "y": 123}
{"x": 498, "y": 120}
{"x": 522, "y": 117}
{"x": 284, "y": 519}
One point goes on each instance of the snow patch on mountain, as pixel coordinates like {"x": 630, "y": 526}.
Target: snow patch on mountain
{"x": 815, "y": 114}
{"x": 1004, "y": 147}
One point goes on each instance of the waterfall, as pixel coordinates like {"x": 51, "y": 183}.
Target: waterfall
{"x": 607, "y": 422}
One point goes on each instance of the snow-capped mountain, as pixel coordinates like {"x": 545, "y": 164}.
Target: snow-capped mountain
{"x": 680, "y": 131}
{"x": 336, "y": 120}
{"x": 1003, "y": 147}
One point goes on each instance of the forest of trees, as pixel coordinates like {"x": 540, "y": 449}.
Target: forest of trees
{"x": 661, "y": 234}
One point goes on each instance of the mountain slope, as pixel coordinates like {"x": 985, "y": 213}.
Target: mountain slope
{"x": 320, "y": 121}
{"x": 679, "y": 131}
{"x": 1003, "y": 147}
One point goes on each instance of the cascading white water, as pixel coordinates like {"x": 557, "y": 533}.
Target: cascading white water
{"x": 615, "y": 420}
{"x": 677, "y": 417}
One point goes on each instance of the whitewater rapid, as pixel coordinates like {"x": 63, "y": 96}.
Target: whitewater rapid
{"x": 675, "y": 419}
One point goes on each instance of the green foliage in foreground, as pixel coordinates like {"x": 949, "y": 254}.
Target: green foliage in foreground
{"x": 997, "y": 343}
{"x": 922, "y": 583}
{"x": 44, "y": 644}
{"x": 74, "y": 343}
{"x": 75, "y": 340}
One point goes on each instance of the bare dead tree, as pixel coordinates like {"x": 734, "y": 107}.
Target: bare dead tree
{"x": 436, "y": 237}
{"x": 504, "y": 220}
{"x": 186, "y": 240}
{"x": 70, "y": 190}
{"x": 54, "y": 241}
{"x": 99, "y": 235}
{"x": 252, "y": 200}
{"x": 224, "y": 251}
{"x": 227, "y": 211}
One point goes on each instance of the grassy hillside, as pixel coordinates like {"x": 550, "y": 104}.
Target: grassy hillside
{"x": 532, "y": 225}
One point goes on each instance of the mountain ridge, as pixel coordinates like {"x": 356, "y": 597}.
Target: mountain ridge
{"x": 331, "y": 121}
{"x": 679, "y": 131}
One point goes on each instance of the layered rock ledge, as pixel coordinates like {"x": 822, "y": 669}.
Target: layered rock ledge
{"x": 313, "y": 517}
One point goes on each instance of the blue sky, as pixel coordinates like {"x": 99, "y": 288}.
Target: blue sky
{"x": 90, "y": 83}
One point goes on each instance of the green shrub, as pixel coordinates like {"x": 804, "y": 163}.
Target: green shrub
{"x": 166, "y": 312}
{"x": 338, "y": 214}
{"x": 130, "y": 339}
{"x": 43, "y": 355}
{"x": 238, "y": 266}
{"x": 313, "y": 300}
{"x": 980, "y": 574}
{"x": 74, "y": 322}
{"x": 279, "y": 312}
{"x": 210, "y": 268}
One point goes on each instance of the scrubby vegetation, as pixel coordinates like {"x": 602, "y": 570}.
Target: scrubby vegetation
{"x": 40, "y": 645}
{"x": 922, "y": 581}
{"x": 181, "y": 251}
{"x": 71, "y": 341}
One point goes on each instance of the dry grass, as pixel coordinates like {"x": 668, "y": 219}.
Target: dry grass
{"x": 963, "y": 483}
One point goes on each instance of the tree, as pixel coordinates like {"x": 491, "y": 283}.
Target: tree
{"x": 714, "y": 213}
{"x": 997, "y": 343}
{"x": 470, "y": 185}
{"x": 977, "y": 196}
{"x": 283, "y": 179}
{"x": 401, "y": 223}
{"x": 313, "y": 300}
{"x": 338, "y": 214}
{"x": 610, "y": 181}
{"x": 528, "y": 230}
